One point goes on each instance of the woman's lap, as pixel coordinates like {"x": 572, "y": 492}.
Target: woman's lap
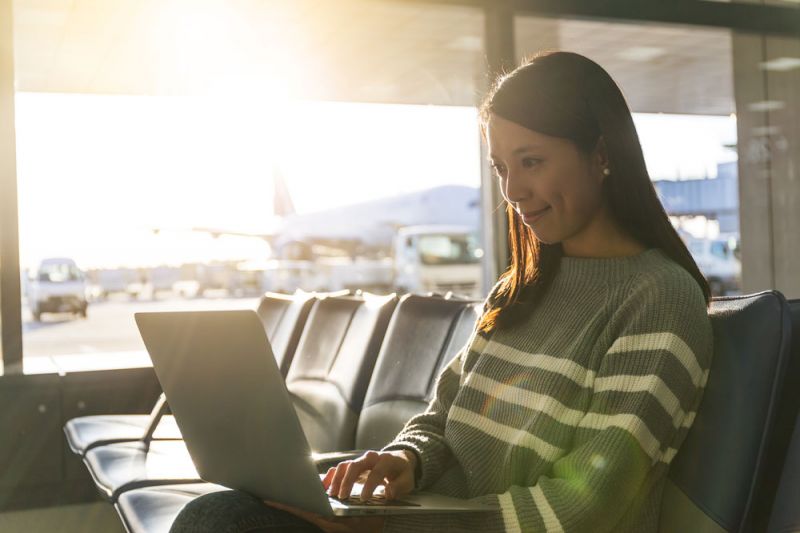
{"x": 233, "y": 511}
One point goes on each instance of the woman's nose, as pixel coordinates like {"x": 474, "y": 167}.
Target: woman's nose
{"x": 515, "y": 188}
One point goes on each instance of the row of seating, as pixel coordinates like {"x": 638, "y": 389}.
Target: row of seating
{"x": 361, "y": 368}
{"x": 283, "y": 317}
{"x": 358, "y": 367}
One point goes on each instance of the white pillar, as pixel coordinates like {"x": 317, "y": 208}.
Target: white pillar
{"x": 768, "y": 124}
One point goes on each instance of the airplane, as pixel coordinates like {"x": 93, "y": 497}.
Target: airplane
{"x": 363, "y": 228}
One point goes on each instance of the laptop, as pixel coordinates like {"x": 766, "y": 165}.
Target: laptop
{"x": 236, "y": 416}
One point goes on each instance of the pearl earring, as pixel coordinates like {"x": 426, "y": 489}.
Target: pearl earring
{"x": 606, "y": 172}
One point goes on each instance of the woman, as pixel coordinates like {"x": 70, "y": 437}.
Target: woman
{"x": 586, "y": 368}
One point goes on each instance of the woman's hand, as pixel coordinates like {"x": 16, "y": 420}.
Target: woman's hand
{"x": 394, "y": 470}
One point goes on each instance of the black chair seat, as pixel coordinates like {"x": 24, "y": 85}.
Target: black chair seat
{"x": 86, "y": 432}
{"x": 153, "y": 509}
{"x": 122, "y": 466}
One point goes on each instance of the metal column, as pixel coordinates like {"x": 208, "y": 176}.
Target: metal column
{"x": 10, "y": 298}
{"x": 499, "y": 43}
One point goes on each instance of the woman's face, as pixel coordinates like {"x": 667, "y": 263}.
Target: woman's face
{"x": 555, "y": 188}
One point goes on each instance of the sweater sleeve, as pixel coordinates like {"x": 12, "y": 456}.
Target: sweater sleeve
{"x": 646, "y": 390}
{"x": 424, "y": 433}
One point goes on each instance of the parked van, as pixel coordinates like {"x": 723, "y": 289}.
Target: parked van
{"x": 718, "y": 261}
{"x": 438, "y": 258}
{"x": 57, "y": 286}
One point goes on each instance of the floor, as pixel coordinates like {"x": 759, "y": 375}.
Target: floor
{"x": 83, "y": 518}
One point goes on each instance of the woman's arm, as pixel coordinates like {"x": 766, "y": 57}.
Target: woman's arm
{"x": 423, "y": 434}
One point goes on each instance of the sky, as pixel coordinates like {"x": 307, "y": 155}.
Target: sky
{"x": 97, "y": 173}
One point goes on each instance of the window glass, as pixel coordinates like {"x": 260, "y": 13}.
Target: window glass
{"x": 185, "y": 156}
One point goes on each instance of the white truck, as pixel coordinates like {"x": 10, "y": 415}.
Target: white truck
{"x": 718, "y": 260}
{"x": 433, "y": 258}
{"x": 57, "y": 286}
{"x": 438, "y": 258}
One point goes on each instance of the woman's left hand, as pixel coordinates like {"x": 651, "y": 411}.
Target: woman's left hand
{"x": 335, "y": 524}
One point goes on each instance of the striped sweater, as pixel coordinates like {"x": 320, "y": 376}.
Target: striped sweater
{"x": 568, "y": 421}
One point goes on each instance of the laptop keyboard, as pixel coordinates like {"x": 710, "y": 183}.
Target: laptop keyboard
{"x": 376, "y": 499}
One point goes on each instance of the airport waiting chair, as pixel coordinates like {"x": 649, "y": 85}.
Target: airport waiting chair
{"x": 717, "y": 476}
{"x": 283, "y": 317}
{"x": 327, "y": 379}
{"x": 785, "y": 512}
{"x": 284, "y": 321}
{"x": 425, "y": 333}
{"x": 85, "y": 432}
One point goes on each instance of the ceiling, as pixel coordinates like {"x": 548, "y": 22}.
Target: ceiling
{"x": 354, "y": 50}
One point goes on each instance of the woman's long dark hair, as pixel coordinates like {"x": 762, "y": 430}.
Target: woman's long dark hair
{"x": 567, "y": 95}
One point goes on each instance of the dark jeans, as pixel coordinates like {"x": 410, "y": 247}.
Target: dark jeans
{"x": 233, "y": 511}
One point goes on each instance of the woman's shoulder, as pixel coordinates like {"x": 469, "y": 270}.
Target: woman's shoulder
{"x": 665, "y": 278}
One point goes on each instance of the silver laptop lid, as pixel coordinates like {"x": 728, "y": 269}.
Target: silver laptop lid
{"x": 229, "y": 399}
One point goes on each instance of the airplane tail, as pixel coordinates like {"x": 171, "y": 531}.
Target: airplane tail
{"x": 282, "y": 204}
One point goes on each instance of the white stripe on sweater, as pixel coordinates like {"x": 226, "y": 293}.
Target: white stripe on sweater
{"x": 510, "y": 520}
{"x": 531, "y": 400}
{"x": 669, "y": 455}
{"x": 628, "y": 422}
{"x": 456, "y": 365}
{"x": 551, "y": 522}
{"x": 664, "y": 340}
{"x": 559, "y": 365}
{"x": 651, "y": 384}
{"x": 507, "y": 434}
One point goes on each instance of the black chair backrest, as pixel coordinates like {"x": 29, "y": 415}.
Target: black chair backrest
{"x": 786, "y": 511}
{"x": 333, "y": 364}
{"x": 425, "y": 333}
{"x": 284, "y": 317}
{"x": 719, "y": 470}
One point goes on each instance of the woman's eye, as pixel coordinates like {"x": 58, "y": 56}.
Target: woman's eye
{"x": 528, "y": 162}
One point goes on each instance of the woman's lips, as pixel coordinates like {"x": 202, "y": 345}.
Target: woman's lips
{"x": 533, "y": 216}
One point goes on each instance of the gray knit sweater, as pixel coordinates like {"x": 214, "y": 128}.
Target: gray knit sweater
{"x": 568, "y": 422}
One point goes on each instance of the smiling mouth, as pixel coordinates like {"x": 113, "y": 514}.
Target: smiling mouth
{"x": 533, "y": 215}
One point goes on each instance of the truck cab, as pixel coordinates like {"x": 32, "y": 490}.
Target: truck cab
{"x": 718, "y": 260}
{"x": 438, "y": 258}
{"x": 57, "y": 286}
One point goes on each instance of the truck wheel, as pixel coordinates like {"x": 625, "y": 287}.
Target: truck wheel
{"x": 37, "y": 316}
{"x": 83, "y": 311}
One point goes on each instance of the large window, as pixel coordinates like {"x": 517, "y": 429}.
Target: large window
{"x": 186, "y": 155}
{"x": 182, "y": 155}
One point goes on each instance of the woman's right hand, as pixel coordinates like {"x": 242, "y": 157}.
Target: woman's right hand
{"x": 393, "y": 469}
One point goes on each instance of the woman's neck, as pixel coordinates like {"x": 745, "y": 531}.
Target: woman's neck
{"x": 602, "y": 237}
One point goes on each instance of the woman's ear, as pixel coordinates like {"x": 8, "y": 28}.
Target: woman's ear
{"x": 600, "y": 160}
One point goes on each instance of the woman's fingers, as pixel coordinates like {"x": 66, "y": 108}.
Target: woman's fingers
{"x": 376, "y": 477}
{"x": 326, "y": 481}
{"x": 336, "y": 479}
{"x": 351, "y": 472}
{"x": 392, "y": 469}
